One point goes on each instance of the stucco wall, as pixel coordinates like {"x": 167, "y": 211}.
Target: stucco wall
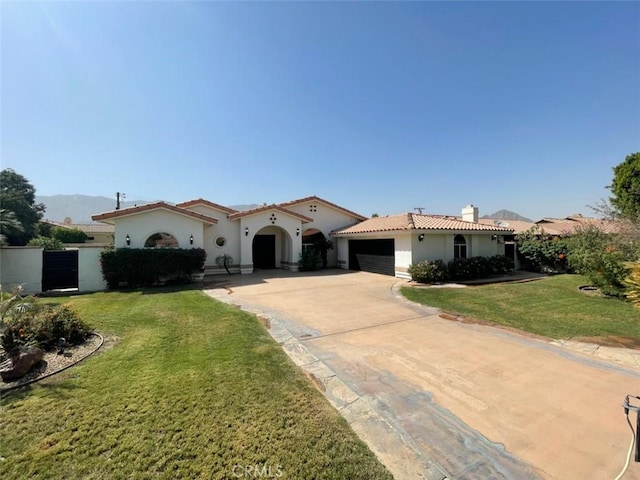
{"x": 403, "y": 254}
{"x": 21, "y": 266}
{"x": 326, "y": 219}
{"x": 225, "y": 228}
{"x": 288, "y": 244}
{"x": 140, "y": 227}
{"x": 89, "y": 270}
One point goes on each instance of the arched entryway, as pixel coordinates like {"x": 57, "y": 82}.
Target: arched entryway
{"x": 271, "y": 248}
{"x": 314, "y": 240}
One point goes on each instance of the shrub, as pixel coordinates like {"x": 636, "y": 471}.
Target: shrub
{"x": 308, "y": 260}
{"x": 141, "y": 267}
{"x": 69, "y": 235}
{"x": 24, "y": 323}
{"x": 501, "y": 264}
{"x": 50, "y": 324}
{"x": 429, "y": 272}
{"x": 540, "y": 252}
{"x": 47, "y": 243}
{"x": 593, "y": 254}
{"x": 469, "y": 268}
{"x": 632, "y": 282}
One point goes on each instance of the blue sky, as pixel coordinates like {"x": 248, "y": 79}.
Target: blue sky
{"x": 379, "y": 107}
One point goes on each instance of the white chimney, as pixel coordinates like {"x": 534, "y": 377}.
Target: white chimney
{"x": 470, "y": 214}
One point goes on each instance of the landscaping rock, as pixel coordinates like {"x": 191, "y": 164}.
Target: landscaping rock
{"x": 19, "y": 366}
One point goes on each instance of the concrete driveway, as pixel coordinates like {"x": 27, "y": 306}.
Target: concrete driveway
{"x": 436, "y": 398}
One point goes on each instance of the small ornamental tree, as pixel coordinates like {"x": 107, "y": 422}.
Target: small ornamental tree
{"x": 69, "y": 235}
{"x": 18, "y": 196}
{"x": 626, "y": 187}
{"x": 47, "y": 243}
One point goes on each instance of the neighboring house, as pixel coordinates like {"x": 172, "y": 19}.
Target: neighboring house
{"x": 97, "y": 233}
{"x": 569, "y": 225}
{"x": 270, "y": 236}
{"x": 390, "y": 244}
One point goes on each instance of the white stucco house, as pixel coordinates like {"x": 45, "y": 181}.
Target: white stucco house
{"x": 391, "y": 244}
{"x": 273, "y": 236}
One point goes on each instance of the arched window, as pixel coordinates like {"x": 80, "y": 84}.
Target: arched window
{"x": 459, "y": 247}
{"x": 161, "y": 240}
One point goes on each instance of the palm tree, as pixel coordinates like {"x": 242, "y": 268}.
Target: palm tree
{"x": 224, "y": 260}
{"x": 8, "y": 224}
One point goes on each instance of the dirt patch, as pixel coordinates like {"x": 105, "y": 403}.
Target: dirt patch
{"x": 611, "y": 341}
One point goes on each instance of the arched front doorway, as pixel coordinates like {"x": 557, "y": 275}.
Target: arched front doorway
{"x": 271, "y": 248}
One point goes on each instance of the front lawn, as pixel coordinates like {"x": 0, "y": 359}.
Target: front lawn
{"x": 193, "y": 388}
{"x": 552, "y": 307}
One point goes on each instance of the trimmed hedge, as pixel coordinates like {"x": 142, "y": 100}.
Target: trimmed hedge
{"x": 429, "y": 272}
{"x": 144, "y": 267}
{"x": 460, "y": 269}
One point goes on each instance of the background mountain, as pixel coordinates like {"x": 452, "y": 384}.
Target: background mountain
{"x": 80, "y": 208}
{"x": 507, "y": 215}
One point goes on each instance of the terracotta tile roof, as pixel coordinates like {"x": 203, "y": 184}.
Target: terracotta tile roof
{"x": 247, "y": 213}
{"x": 414, "y": 221}
{"x": 569, "y": 225}
{"x": 201, "y": 201}
{"x": 107, "y": 216}
{"x": 314, "y": 198}
{"x": 518, "y": 226}
{"x": 85, "y": 227}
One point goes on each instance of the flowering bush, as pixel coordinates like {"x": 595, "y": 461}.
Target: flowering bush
{"x": 24, "y": 323}
{"x": 429, "y": 272}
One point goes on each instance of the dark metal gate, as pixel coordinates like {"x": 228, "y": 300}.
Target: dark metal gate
{"x": 59, "y": 269}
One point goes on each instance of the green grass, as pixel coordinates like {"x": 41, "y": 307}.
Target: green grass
{"x": 552, "y": 307}
{"x": 193, "y": 388}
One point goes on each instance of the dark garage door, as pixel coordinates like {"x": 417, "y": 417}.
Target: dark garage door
{"x": 376, "y": 256}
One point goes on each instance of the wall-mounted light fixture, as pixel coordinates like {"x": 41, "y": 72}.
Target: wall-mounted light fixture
{"x": 246, "y": 231}
{"x": 421, "y": 237}
{"x": 297, "y": 232}
{"x": 494, "y": 237}
{"x": 191, "y": 239}
{"x": 127, "y": 239}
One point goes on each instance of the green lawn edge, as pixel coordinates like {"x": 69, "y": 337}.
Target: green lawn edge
{"x": 192, "y": 388}
{"x": 551, "y": 307}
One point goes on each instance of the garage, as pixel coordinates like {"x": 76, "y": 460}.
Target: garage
{"x": 375, "y": 255}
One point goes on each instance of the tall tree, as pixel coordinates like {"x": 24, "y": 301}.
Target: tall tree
{"x": 18, "y": 196}
{"x": 626, "y": 187}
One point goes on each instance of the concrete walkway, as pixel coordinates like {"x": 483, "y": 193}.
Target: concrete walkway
{"x": 436, "y": 398}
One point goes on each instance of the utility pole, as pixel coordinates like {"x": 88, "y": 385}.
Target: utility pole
{"x": 419, "y": 209}
{"x": 118, "y": 196}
